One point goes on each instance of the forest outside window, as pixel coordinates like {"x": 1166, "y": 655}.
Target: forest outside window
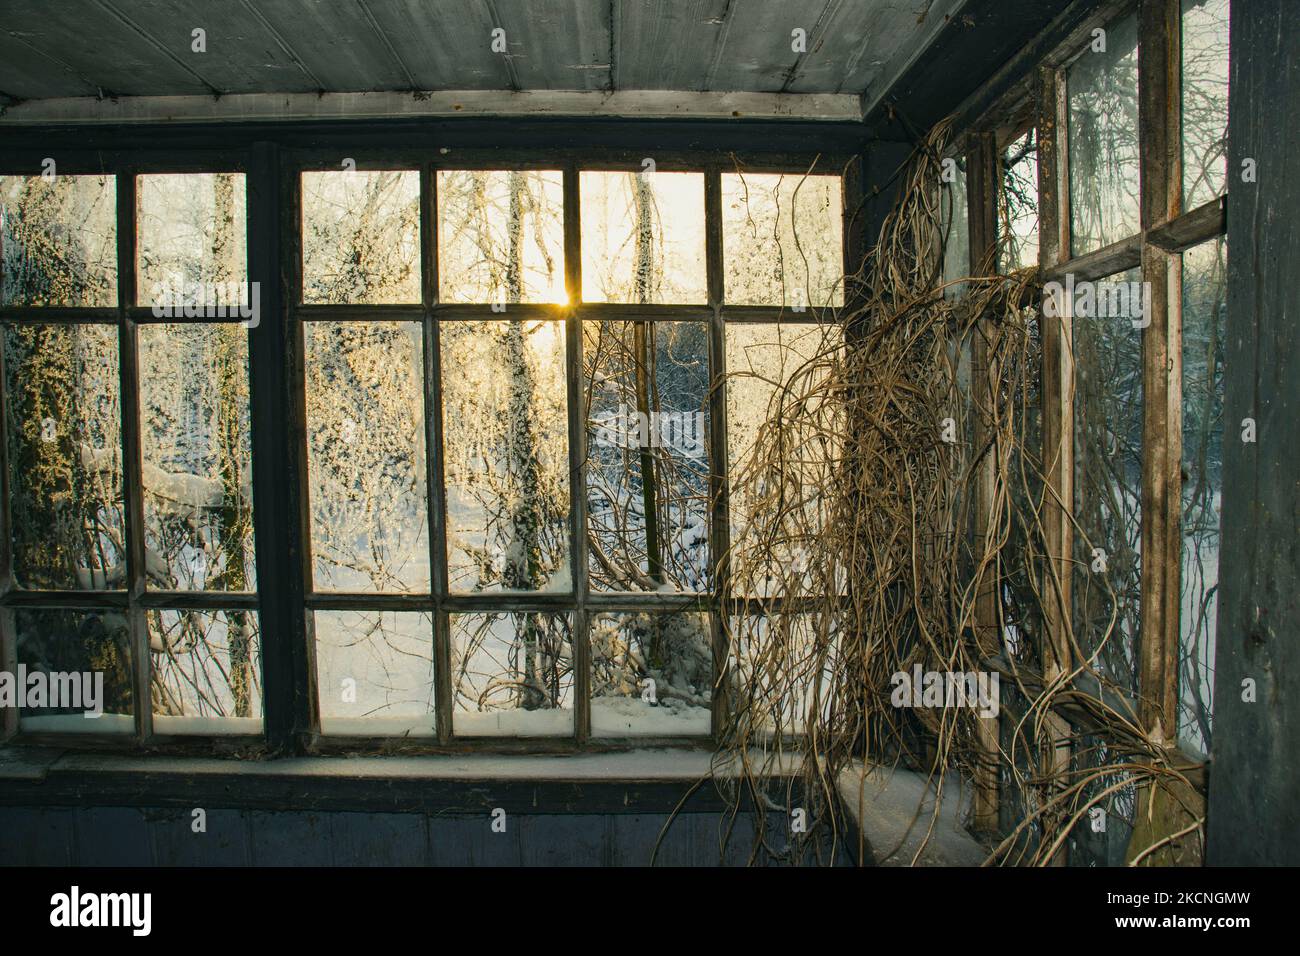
{"x": 442, "y": 442}
{"x": 155, "y": 591}
{"x": 510, "y": 453}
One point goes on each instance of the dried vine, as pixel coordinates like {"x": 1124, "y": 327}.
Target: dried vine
{"x": 894, "y": 515}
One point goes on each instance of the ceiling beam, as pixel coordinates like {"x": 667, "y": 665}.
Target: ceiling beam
{"x": 242, "y": 107}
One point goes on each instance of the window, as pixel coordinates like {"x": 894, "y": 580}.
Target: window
{"x": 1108, "y": 463}
{"x": 155, "y": 590}
{"x": 1205, "y": 100}
{"x": 954, "y": 220}
{"x": 1103, "y": 139}
{"x": 504, "y": 451}
{"x": 1018, "y": 203}
{"x": 1204, "y": 339}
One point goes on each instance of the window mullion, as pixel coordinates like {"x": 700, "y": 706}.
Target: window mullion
{"x": 577, "y": 412}
{"x": 133, "y": 494}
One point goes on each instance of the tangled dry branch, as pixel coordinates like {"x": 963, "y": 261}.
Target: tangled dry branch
{"x": 894, "y": 506}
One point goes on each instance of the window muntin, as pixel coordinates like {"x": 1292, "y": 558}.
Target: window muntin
{"x": 1103, "y": 140}
{"x": 954, "y": 224}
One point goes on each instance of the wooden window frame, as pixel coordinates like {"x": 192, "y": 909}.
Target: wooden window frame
{"x": 286, "y": 597}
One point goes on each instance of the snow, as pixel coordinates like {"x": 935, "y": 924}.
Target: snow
{"x": 634, "y": 717}
{"x": 206, "y": 725}
{"x": 379, "y": 726}
{"x": 544, "y": 722}
{"x": 78, "y": 724}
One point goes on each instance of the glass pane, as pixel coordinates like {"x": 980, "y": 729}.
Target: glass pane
{"x": 506, "y": 459}
{"x": 1205, "y": 100}
{"x": 374, "y": 672}
{"x": 65, "y": 456}
{"x": 1204, "y": 333}
{"x": 207, "y": 672}
{"x": 512, "y": 675}
{"x": 1018, "y": 204}
{"x": 501, "y": 236}
{"x": 59, "y": 240}
{"x": 782, "y": 670}
{"x": 1108, "y": 482}
{"x": 365, "y": 450}
{"x": 648, "y": 416}
{"x": 643, "y": 237}
{"x": 954, "y": 221}
{"x": 763, "y": 360}
{"x": 192, "y": 240}
{"x": 651, "y": 674}
{"x": 86, "y": 659}
{"x": 1103, "y": 138}
{"x": 361, "y": 237}
{"x": 782, "y": 239}
{"x": 197, "y": 456}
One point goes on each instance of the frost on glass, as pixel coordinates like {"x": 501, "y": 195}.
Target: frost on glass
{"x": 361, "y": 237}
{"x": 375, "y": 672}
{"x": 512, "y": 675}
{"x": 206, "y": 672}
{"x": 1103, "y": 141}
{"x": 1108, "y": 491}
{"x": 762, "y": 362}
{"x": 1205, "y": 100}
{"x": 59, "y": 240}
{"x": 1018, "y": 204}
{"x": 782, "y": 237}
{"x": 192, "y": 237}
{"x": 77, "y": 642}
{"x": 366, "y": 458}
{"x": 505, "y": 453}
{"x": 647, "y": 455}
{"x": 1204, "y": 332}
{"x": 651, "y": 674}
{"x": 954, "y": 225}
{"x": 65, "y": 456}
{"x": 501, "y": 236}
{"x": 643, "y": 237}
{"x": 197, "y": 457}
